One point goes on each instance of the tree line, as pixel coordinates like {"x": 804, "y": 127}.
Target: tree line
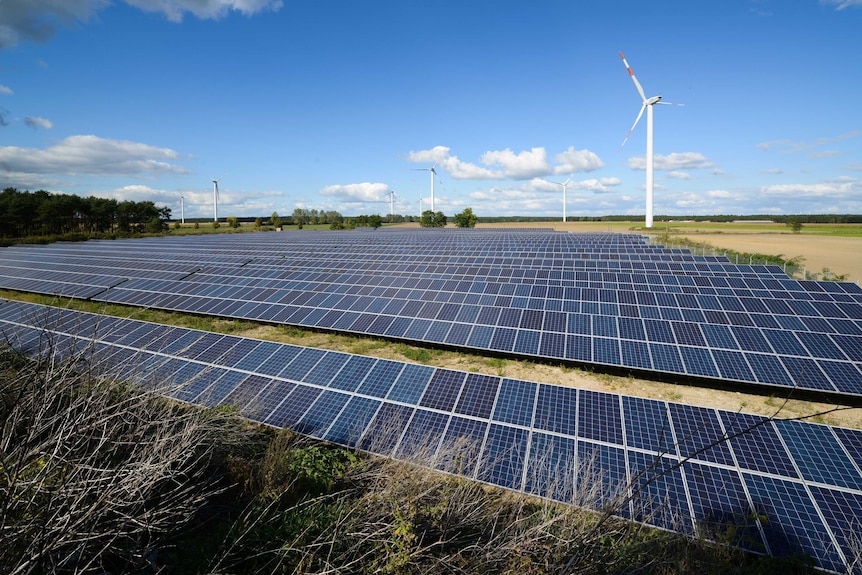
{"x": 42, "y": 213}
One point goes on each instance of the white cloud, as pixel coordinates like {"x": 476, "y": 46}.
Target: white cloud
{"x": 772, "y": 171}
{"x": 842, "y": 188}
{"x": 521, "y": 166}
{"x": 37, "y": 21}
{"x": 599, "y": 186}
{"x": 364, "y": 192}
{"x": 674, "y": 161}
{"x": 789, "y": 146}
{"x": 36, "y": 122}
{"x": 825, "y": 154}
{"x": 841, "y": 4}
{"x": 577, "y": 161}
{"x": 509, "y": 165}
{"x": 89, "y": 155}
{"x": 679, "y": 175}
{"x": 5, "y": 89}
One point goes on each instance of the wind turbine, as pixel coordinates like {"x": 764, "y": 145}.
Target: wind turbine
{"x": 183, "y": 209}
{"x": 215, "y": 200}
{"x": 564, "y": 185}
{"x": 648, "y": 103}
{"x": 391, "y": 194}
{"x": 433, "y": 171}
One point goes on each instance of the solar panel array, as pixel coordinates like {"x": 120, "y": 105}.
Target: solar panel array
{"x": 610, "y": 300}
{"x": 787, "y": 486}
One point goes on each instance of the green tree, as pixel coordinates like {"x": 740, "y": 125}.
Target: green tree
{"x": 795, "y": 223}
{"x": 275, "y": 220}
{"x": 466, "y": 219}
{"x": 432, "y": 219}
{"x": 258, "y": 223}
{"x": 233, "y": 222}
{"x": 375, "y": 221}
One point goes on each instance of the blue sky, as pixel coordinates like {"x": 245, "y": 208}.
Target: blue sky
{"x": 330, "y": 104}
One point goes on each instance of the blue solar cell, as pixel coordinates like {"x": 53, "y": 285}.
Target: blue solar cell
{"x": 461, "y": 446}
{"x": 579, "y": 323}
{"x": 601, "y": 470}
{"x": 422, "y": 436}
{"x": 380, "y": 378}
{"x": 666, "y": 357}
{"x": 527, "y": 342}
{"x": 851, "y": 346}
{"x": 515, "y": 402}
{"x": 688, "y": 334}
{"x": 806, "y": 373}
{"x": 784, "y": 342}
{"x": 751, "y": 339}
{"x": 555, "y": 409}
{"x": 843, "y": 513}
{"x": 502, "y": 460}
{"x": 635, "y": 354}
{"x": 659, "y": 496}
{"x": 631, "y": 328}
{"x": 698, "y": 361}
{"x": 325, "y": 369}
{"x": 756, "y": 444}
{"x": 792, "y": 524}
{"x": 606, "y": 351}
{"x": 353, "y": 373}
{"x": 647, "y": 425}
{"x": 352, "y": 421}
{"x": 552, "y": 345}
{"x": 271, "y": 397}
{"x": 819, "y": 454}
{"x": 718, "y": 501}
{"x": 443, "y": 389}
{"x": 481, "y": 336}
{"x": 275, "y": 363}
{"x": 503, "y": 339}
{"x": 244, "y": 396}
{"x": 477, "y": 397}
{"x": 579, "y": 347}
{"x": 293, "y": 406}
{"x": 410, "y": 385}
{"x": 851, "y": 439}
{"x": 385, "y": 429}
{"x": 732, "y": 365}
{"x": 302, "y": 364}
{"x": 659, "y": 331}
{"x": 844, "y": 376}
{"x": 320, "y": 416}
{"x": 551, "y": 467}
{"x": 599, "y": 416}
{"x": 699, "y": 434}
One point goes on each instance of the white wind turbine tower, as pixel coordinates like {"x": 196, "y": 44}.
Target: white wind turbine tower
{"x": 215, "y": 200}
{"x": 183, "y": 209}
{"x": 391, "y": 194}
{"x": 648, "y": 103}
{"x": 433, "y": 171}
{"x": 564, "y": 186}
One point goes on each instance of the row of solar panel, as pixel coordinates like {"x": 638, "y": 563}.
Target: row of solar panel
{"x": 690, "y": 469}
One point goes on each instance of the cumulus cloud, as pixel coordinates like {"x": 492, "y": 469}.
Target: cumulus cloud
{"x": 36, "y": 122}
{"x": 674, "y": 161}
{"x": 38, "y": 21}
{"x": 5, "y": 89}
{"x": 508, "y": 165}
{"x": 364, "y": 192}
{"x": 88, "y": 155}
{"x": 573, "y": 160}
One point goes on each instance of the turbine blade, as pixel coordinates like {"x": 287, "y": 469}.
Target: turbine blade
{"x": 632, "y": 74}
{"x": 638, "y": 119}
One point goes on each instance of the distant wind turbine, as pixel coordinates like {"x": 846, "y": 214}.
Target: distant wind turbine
{"x": 183, "y": 209}
{"x": 564, "y": 185}
{"x": 648, "y": 103}
{"x": 391, "y": 194}
{"x": 215, "y": 200}
{"x": 433, "y": 171}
